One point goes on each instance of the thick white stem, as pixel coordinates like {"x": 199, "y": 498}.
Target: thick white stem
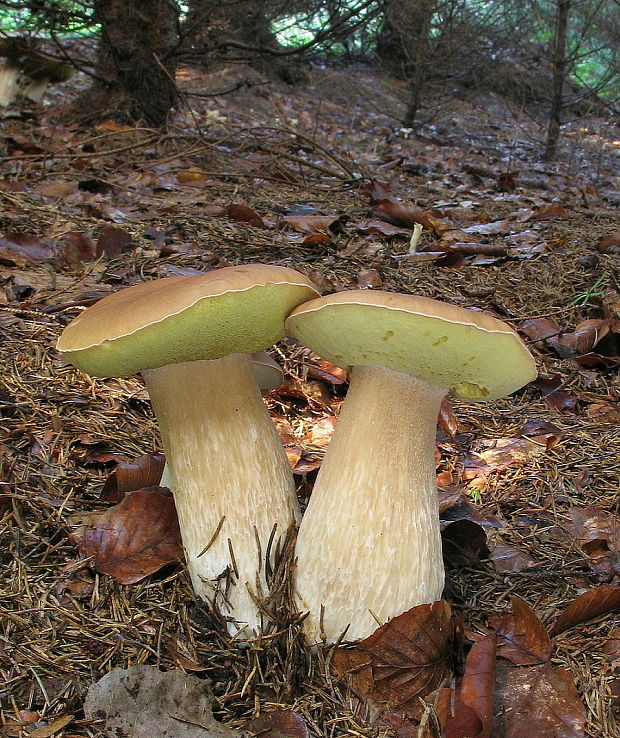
{"x": 9, "y": 83}
{"x": 36, "y": 89}
{"x": 369, "y": 545}
{"x": 228, "y": 471}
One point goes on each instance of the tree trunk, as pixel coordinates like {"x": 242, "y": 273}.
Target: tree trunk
{"x": 418, "y": 77}
{"x": 560, "y": 68}
{"x": 135, "y": 65}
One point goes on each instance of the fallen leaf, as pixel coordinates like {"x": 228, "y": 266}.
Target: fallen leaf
{"x": 550, "y": 211}
{"x": 327, "y": 372}
{"x": 78, "y": 248}
{"x": 591, "y": 604}
{"x": 380, "y": 227}
{"x": 402, "y": 661}
{"x": 539, "y": 702}
{"x": 543, "y": 432}
{"x": 113, "y": 242}
{"x": 134, "y": 538}
{"x": 369, "y": 278}
{"x": 610, "y": 243}
{"x": 507, "y": 558}
{"x": 463, "y": 541}
{"x": 57, "y": 190}
{"x": 144, "y": 471}
{"x": 472, "y": 715}
{"x": 242, "y": 214}
{"x": 144, "y": 702}
{"x": 408, "y": 215}
{"x": 51, "y": 728}
{"x": 522, "y": 638}
{"x": 447, "y": 419}
{"x": 78, "y": 586}
{"x": 278, "y": 724}
{"x": 18, "y": 249}
{"x": 313, "y": 223}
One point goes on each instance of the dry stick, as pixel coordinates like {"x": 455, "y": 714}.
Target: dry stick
{"x": 91, "y": 155}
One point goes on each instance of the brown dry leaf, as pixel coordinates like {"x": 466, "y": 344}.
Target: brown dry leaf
{"x": 134, "y": 538}
{"x": 380, "y": 227}
{"x": 590, "y": 604}
{"x": 18, "y": 249}
{"x": 402, "y": 661}
{"x": 463, "y": 541}
{"x": 550, "y": 211}
{"x": 598, "y": 534}
{"x": 408, "y": 215}
{"x": 78, "y": 586}
{"x": 242, "y": 214}
{"x": 113, "y": 242}
{"x": 144, "y": 471}
{"x": 507, "y": 558}
{"x": 539, "y": 330}
{"x": 369, "y": 278}
{"x": 327, "y": 372}
{"x": 543, "y": 432}
{"x": 313, "y": 223}
{"x": 78, "y": 248}
{"x": 555, "y": 397}
{"x": 523, "y": 639}
{"x": 57, "y": 190}
{"x": 496, "y": 455}
{"x": 278, "y": 724}
{"x": 447, "y": 419}
{"x": 51, "y": 728}
{"x": 603, "y": 412}
{"x": 472, "y": 715}
{"x": 188, "y": 176}
{"x": 539, "y": 702}
{"x": 610, "y": 243}
{"x": 489, "y": 229}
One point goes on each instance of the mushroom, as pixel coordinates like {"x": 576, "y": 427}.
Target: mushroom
{"x": 24, "y": 58}
{"x": 268, "y": 376}
{"x": 191, "y": 338}
{"x": 369, "y": 546}
{"x": 10, "y": 71}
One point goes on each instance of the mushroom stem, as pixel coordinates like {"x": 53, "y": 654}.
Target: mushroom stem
{"x": 229, "y": 476}
{"x": 9, "y": 83}
{"x": 369, "y": 545}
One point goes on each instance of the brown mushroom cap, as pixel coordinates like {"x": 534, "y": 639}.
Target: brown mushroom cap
{"x": 475, "y": 355}
{"x": 238, "y": 309}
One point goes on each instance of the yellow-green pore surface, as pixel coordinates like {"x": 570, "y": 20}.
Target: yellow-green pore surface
{"x": 177, "y": 319}
{"x": 473, "y": 354}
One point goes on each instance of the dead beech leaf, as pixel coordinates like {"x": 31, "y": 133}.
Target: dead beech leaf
{"x": 51, "y": 728}
{"x": 278, "y": 724}
{"x": 57, "y": 190}
{"x": 550, "y": 211}
{"x": 543, "y": 432}
{"x": 242, "y": 214}
{"x": 327, "y": 372}
{"x": 113, "y": 242}
{"x": 610, "y": 243}
{"x": 134, "y": 538}
{"x": 144, "y": 471}
{"x": 369, "y": 278}
{"x": 408, "y": 215}
{"x": 463, "y": 541}
{"x": 313, "y": 223}
{"x": 473, "y": 708}
{"x": 402, "y": 661}
{"x": 540, "y": 329}
{"x": 507, "y": 558}
{"x": 590, "y": 604}
{"x": 380, "y": 227}
{"x": 18, "y": 249}
{"x": 539, "y": 702}
{"x": 522, "y": 638}
{"x": 78, "y": 248}
{"x": 447, "y": 419}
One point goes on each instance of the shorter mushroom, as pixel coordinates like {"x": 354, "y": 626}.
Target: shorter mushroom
{"x": 369, "y": 545}
{"x": 191, "y": 337}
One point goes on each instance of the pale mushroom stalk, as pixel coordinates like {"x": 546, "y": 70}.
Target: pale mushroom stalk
{"x": 377, "y": 487}
{"x": 9, "y": 83}
{"x": 229, "y": 475}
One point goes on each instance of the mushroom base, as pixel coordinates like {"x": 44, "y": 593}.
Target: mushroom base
{"x": 369, "y": 545}
{"x": 230, "y": 478}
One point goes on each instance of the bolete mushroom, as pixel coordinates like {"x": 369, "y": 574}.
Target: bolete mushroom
{"x": 369, "y": 546}
{"x": 191, "y": 338}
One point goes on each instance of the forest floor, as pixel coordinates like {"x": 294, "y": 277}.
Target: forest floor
{"x": 528, "y": 484}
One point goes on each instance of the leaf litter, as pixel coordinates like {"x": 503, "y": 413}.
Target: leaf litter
{"x": 545, "y": 460}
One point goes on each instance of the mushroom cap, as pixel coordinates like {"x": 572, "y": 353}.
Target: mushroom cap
{"x": 238, "y": 309}
{"x": 475, "y": 355}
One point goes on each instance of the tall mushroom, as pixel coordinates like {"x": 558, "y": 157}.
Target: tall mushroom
{"x": 369, "y": 546}
{"x": 191, "y": 338}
